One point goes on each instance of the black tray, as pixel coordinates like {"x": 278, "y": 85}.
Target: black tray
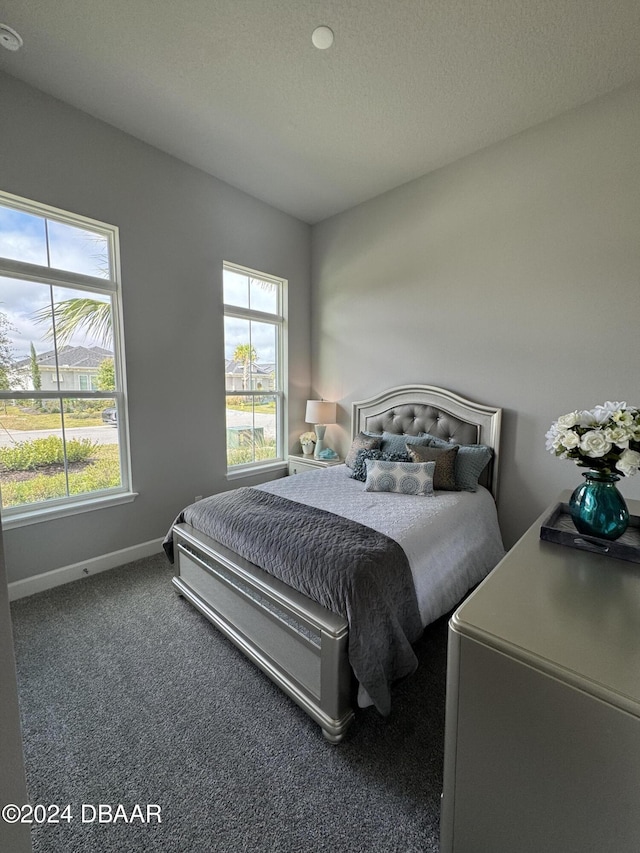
{"x": 559, "y": 528}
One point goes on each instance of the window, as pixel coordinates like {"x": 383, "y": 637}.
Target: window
{"x": 88, "y": 383}
{"x": 61, "y": 363}
{"x": 254, "y": 352}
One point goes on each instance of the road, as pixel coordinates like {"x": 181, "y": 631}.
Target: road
{"x": 265, "y": 421}
{"x": 99, "y": 434}
{"x": 109, "y": 434}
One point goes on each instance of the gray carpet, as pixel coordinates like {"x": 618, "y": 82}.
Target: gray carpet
{"x": 129, "y": 696}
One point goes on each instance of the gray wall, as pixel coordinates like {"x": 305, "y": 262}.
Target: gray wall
{"x": 177, "y": 226}
{"x": 510, "y": 277}
{"x": 13, "y": 786}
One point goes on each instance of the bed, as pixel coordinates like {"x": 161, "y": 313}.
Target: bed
{"x": 404, "y": 560}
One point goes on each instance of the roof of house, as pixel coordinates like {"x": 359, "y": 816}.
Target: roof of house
{"x": 232, "y": 366}
{"x": 68, "y": 356}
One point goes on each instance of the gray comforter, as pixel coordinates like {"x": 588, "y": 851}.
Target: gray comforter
{"x": 348, "y": 568}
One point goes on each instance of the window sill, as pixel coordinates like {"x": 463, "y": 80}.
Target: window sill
{"x": 50, "y": 513}
{"x": 257, "y": 470}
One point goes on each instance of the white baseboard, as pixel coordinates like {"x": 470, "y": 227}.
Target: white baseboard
{"x": 66, "y": 574}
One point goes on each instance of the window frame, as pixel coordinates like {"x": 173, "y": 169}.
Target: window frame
{"x": 46, "y": 510}
{"x": 279, "y": 321}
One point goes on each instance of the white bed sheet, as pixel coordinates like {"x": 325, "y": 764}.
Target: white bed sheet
{"x": 451, "y": 539}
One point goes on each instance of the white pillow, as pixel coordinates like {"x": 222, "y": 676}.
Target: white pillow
{"x": 406, "y": 478}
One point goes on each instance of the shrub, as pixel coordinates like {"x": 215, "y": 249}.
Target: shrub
{"x": 242, "y": 455}
{"x": 30, "y": 455}
{"x": 102, "y": 473}
{"x": 236, "y": 402}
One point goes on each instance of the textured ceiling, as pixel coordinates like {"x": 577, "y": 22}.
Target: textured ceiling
{"x": 236, "y": 88}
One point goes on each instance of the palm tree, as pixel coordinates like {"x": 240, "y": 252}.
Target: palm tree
{"x": 91, "y": 315}
{"x": 246, "y": 354}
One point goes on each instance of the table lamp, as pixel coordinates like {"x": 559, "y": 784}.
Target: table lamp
{"x": 320, "y": 413}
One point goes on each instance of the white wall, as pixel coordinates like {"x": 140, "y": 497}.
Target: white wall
{"x": 511, "y": 277}
{"x": 177, "y": 226}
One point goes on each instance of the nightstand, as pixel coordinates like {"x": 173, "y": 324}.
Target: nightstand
{"x": 298, "y": 464}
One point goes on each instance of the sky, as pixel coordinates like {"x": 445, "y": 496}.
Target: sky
{"x": 244, "y": 291}
{"x": 32, "y": 239}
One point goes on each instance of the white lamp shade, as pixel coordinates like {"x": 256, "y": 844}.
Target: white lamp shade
{"x": 320, "y": 412}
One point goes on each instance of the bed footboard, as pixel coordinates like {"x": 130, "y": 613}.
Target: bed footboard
{"x": 299, "y": 644}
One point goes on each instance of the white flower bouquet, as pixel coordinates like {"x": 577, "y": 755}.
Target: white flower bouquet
{"x": 308, "y": 439}
{"x": 605, "y": 439}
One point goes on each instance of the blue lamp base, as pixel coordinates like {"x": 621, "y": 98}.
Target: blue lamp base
{"x": 320, "y": 431}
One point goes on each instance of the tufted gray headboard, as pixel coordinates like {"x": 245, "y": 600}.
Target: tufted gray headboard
{"x": 410, "y": 409}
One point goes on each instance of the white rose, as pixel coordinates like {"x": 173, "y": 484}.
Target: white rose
{"x": 594, "y": 444}
{"x": 618, "y": 435}
{"x": 569, "y": 439}
{"x": 628, "y": 463}
{"x": 568, "y": 421}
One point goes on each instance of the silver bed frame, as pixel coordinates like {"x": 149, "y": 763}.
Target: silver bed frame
{"x": 299, "y": 644}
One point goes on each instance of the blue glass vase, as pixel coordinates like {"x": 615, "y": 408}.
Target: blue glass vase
{"x": 597, "y": 507}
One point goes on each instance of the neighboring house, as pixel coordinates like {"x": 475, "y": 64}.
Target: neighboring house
{"x": 78, "y": 368}
{"x": 259, "y": 377}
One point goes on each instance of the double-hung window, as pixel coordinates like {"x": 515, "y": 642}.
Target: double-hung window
{"x": 63, "y": 419}
{"x": 255, "y": 353}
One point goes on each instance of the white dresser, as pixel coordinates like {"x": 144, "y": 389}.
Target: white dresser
{"x": 542, "y": 744}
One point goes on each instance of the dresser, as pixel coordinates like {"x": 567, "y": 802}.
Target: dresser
{"x": 300, "y": 464}
{"x": 542, "y": 740}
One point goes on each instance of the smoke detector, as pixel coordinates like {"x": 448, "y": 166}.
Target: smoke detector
{"x": 9, "y": 38}
{"x": 322, "y": 37}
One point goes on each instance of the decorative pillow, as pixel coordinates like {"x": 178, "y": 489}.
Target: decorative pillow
{"x": 471, "y": 461}
{"x": 405, "y": 478}
{"x": 359, "y": 471}
{"x": 433, "y": 440}
{"x": 392, "y": 443}
{"x": 361, "y": 442}
{"x": 444, "y": 477}
{"x": 470, "y": 464}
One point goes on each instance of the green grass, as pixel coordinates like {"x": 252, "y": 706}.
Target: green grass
{"x": 102, "y": 472}
{"x": 243, "y": 455}
{"x": 262, "y": 408}
{"x": 16, "y": 418}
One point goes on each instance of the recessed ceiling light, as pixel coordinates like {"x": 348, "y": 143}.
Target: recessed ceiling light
{"x": 322, "y": 37}
{"x": 9, "y": 38}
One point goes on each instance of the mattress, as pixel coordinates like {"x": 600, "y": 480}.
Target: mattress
{"x": 452, "y": 539}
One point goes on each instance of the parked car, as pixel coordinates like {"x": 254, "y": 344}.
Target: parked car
{"x": 110, "y": 416}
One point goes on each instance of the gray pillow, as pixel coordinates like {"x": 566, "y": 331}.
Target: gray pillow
{"x": 392, "y": 443}
{"x": 444, "y": 477}
{"x": 405, "y": 478}
{"x": 471, "y": 461}
{"x": 361, "y": 442}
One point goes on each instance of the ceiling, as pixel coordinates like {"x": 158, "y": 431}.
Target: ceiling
{"x": 236, "y": 88}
